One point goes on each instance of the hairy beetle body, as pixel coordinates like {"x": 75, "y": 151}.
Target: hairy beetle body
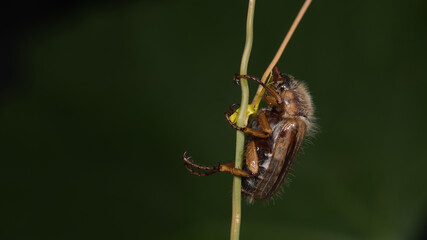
{"x": 275, "y": 134}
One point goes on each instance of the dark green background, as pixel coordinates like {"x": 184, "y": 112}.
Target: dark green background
{"x": 105, "y": 98}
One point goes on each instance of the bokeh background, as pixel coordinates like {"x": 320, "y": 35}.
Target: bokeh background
{"x": 99, "y": 99}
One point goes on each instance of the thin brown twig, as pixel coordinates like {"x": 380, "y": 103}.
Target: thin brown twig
{"x": 281, "y": 49}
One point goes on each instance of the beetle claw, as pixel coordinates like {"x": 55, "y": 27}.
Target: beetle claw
{"x": 232, "y": 108}
{"x": 236, "y": 79}
{"x": 188, "y": 164}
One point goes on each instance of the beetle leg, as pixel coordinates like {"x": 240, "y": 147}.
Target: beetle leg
{"x": 270, "y": 100}
{"x": 263, "y": 122}
{"x": 252, "y": 158}
{"x": 268, "y": 88}
{"x": 228, "y": 168}
{"x": 188, "y": 163}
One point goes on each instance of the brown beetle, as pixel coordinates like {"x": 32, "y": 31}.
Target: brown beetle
{"x": 275, "y": 134}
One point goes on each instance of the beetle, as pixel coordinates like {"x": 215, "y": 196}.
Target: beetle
{"x": 275, "y": 134}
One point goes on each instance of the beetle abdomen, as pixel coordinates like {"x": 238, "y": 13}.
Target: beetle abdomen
{"x": 275, "y": 157}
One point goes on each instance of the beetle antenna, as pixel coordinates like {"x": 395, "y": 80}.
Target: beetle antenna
{"x": 282, "y": 47}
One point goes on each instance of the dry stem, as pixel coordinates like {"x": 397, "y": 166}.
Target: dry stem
{"x": 281, "y": 49}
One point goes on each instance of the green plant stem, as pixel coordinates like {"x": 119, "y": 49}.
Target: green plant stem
{"x": 241, "y": 122}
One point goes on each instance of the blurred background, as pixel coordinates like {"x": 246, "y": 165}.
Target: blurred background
{"x": 99, "y": 99}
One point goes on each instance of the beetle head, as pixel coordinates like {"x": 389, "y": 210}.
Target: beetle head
{"x": 282, "y": 81}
